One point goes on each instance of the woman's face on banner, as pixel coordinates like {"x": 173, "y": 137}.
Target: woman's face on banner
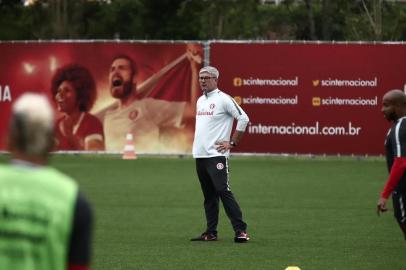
{"x": 66, "y": 97}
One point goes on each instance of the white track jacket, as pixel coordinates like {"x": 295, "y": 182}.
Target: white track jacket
{"x": 215, "y": 114}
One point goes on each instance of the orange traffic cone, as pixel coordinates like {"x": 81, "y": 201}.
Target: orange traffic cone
{"x": 129, "y": 149}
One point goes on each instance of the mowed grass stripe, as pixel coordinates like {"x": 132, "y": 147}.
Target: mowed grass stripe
{"x": 316, "y": 213}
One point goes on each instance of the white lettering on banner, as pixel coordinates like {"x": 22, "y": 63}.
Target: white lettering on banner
{"x": 271, "y": 100}
{"x": 330, "y": 101}
{"x": 5, "y": 94}
{"x": 265, "y": 82}
{"x": 312, "y": 130}
{"x": 347, "y": 83}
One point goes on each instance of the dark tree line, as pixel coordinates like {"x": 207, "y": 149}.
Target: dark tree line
{"x": 203, "y": 19}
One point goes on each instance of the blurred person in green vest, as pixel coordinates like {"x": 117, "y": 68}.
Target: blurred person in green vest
{"x": 45, "y": 222}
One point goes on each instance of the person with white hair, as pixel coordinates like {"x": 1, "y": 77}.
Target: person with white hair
{"x": 45, "y": 221}
{"x": 215, "y": 114}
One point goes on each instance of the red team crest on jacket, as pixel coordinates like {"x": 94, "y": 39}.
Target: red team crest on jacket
{"x": 220, "y": 166}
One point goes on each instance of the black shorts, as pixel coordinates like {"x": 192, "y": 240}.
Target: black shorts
{"x": 399, "y": 206}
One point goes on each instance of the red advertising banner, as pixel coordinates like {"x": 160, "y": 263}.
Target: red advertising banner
{"x": 103, "y": 91}
{"x": 301, "y": 98}
{"x": 311, "y": 98}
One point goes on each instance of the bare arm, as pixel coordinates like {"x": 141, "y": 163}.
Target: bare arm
{"x": 195, "y": 61}
{"x": 146, "y": 86}
{"x": 236, "y": 138}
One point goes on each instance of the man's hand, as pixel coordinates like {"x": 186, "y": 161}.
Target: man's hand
{"x": 194, "y": 53}
{"x": 381, "y": 206}
{"x": 222, "y": 147}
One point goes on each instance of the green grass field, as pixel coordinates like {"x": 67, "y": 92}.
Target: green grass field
{"x": 315, "y": 213}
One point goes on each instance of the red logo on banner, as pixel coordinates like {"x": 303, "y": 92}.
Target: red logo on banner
{"x": 316, "y": 101}
{"x": 237, "y": 82}
{"x": 220, "y": 166}
{"x": 238, "y": 99}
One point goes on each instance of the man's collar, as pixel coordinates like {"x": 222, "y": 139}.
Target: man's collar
{"x": 207, "y": 94}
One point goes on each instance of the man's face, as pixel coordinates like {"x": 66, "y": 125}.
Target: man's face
{"x": 389, "y": 109}
{"x": 121, "y": 78}
{"x": 66, "y": 97}
{"x": 207, "y": 81}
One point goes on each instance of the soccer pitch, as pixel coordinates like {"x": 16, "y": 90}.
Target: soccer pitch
{"x": 315, "y": 213}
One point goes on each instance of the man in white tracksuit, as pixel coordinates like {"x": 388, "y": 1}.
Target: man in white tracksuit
{"x": 215, "y": 113}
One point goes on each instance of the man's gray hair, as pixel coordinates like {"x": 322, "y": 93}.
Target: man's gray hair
{"x": 32, "y": 124}
{"x": 212, "y": 70}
